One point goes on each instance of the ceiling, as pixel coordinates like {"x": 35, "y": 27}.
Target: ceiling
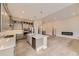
{"x": 63, "y": 14}
{"x": 35, "y": 10}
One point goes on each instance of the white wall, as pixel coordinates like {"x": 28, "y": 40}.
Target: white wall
{"x": 66, "y": 19}
{"x": 69, "y": 25}
{"x": 37, "y": 26}
{"x": 48, "y": 27}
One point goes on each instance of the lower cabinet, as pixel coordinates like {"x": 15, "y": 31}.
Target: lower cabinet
{"x": 29, "y": 39}
{"x": 33, "y": 43}
{"x": 19, "y": 36}
{"x": 37, "y": 44}
{"x": 8, "y": 52}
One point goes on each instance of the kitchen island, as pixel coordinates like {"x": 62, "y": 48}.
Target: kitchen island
{"x": 37, "y": 41}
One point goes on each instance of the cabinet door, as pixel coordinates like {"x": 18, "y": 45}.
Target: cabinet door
{"x": 34, "y": 43}
{"x": 39, "y": 43}
{"x": 29, "y": 39}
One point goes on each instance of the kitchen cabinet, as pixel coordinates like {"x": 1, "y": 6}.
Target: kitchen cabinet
{"x": 37, "y": 41}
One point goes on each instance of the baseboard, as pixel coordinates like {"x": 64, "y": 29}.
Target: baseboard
{"x": 72, "y": 37}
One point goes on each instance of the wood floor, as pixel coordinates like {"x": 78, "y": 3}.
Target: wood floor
{"x": 57, "y": 46}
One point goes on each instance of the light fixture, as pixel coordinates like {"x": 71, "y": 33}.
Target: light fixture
{"x": 41, "y": 12}
{"x": 3, "y": 13}
{"x": 23, "y": 12}
{"x": 21, "y": 17}
{"x": 54, "y": 18}
{"x": 34, "y": 17}
{"x": 73, "y": 13}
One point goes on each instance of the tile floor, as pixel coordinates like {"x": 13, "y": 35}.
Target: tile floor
{"x": 57, "y": 46}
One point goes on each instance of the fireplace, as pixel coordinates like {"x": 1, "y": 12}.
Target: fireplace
{"x": 67, "y": 33}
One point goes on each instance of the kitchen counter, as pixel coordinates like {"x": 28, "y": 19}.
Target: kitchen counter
{"x": 37, "y": 36}
{"x": 7, "y": 46}
{"x": 10, "y": 32}
{"x": 8, "y": 42}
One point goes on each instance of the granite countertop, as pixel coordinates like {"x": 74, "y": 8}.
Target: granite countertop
{"x": 39, "y": 36}
{"x": 10, "y": 32}
{"x": 7, "y": 38}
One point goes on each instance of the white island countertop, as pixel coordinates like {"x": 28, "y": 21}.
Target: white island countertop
{"x": 37, "y": 36}
{"x": 40, "y": 41}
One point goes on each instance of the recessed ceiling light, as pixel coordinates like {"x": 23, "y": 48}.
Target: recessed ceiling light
{"x": 41, "y": 11}
{"x": 54, "y": 18}
{"x": 73, "y": 13}
{"x": 23, "y": 12}
{"x": 3, "y": 13}
{"x": 34, "y": 17}
{"x": 21, "y": 17}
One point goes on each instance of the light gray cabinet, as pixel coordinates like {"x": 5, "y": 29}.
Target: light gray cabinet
{"x": 29, "y": 38}
{"x": 37, "y": 41}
